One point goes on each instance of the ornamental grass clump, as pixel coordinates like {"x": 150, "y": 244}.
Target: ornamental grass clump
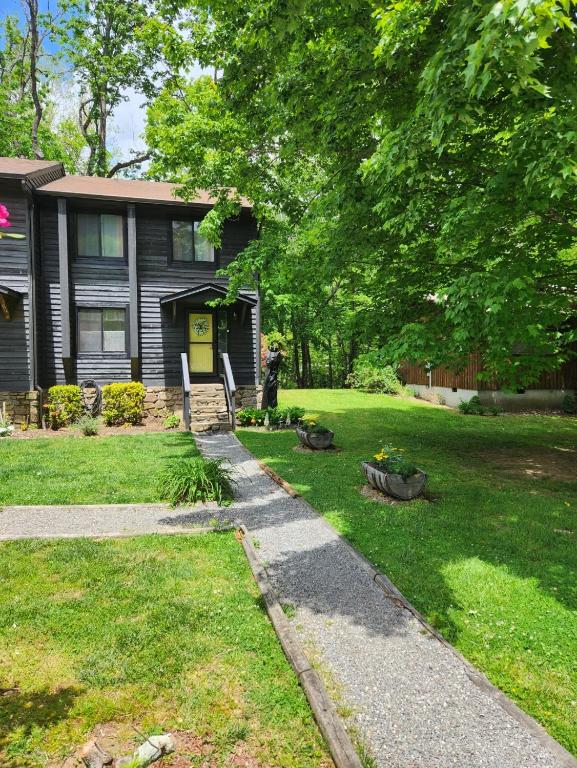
{"x": 392, "y": 461}
{"x": 188, "y": 481}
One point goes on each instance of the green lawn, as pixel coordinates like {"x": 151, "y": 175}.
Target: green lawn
{"x": 87, "y": 470}
{"x": 492, "y": 561}
{"x": 164, "y": 634}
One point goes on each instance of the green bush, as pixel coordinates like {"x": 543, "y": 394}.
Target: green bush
{"x": 473, "y": 407}
{"x": 123, "y": 403}
{"x": 188, "y": 481}
{"x": 369, "y": 376}
{"x": 172, "y": 421}
{"x": 88, "y": 425}
{"x": 64, "y": 405}
{"x": 569, "y": 404}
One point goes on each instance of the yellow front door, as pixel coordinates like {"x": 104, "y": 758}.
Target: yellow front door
{"x": 201, "y": 342}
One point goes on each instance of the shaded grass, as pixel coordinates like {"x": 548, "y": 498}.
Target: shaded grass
{"x": 492, "y": 562}
{"x": 162, "y": 633}
{"x": 77, "y": 470}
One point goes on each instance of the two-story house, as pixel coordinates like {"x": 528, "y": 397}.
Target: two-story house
{"x": 113, "y": 282}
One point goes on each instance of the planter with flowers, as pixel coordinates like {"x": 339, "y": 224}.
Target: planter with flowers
{"x": 391, "y": 473}
{"x": 314, "y": 435}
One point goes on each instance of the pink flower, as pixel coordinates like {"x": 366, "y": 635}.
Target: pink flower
{"x": 4, "y": 215}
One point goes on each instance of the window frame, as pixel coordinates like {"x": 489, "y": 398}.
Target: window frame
{"x": 100, "y": 259}
{"x": 208, "y": 265}
{"x": 95, "y": 307}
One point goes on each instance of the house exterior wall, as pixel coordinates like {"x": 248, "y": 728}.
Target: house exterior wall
{"x": 14, "y": 273}
{"x": 105, "y": 283}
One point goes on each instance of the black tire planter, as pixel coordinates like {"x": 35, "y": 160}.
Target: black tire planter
{"x": 317, "y": 441}
{"x": 395, "y": 485}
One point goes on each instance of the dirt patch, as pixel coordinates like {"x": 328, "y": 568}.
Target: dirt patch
{"x": 382, "y": 498}
{"x": 556, "y": 462}
{"x": 153, "y": 425}
{"x": 121, "y": 739}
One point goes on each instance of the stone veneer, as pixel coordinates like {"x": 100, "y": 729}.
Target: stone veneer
{"x": 21, "y": 407}
{"x": 208, "y": 411}
{"x": 159, "y": 402}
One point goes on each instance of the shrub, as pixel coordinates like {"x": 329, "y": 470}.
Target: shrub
{"x": 569, "y": 404}
{"x": 64, "y": 405}
{"x": 473, "y": 407}
{"x": 172, "y": 421}
{"x": 250, "y": 417}
{"x": 88, "y": 425}
{"x": 369, "y": 376}
{"x": 123, "y": 403}
{"x": 187, "y": 481}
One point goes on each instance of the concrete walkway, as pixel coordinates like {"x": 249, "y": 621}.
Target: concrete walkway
{"x": 105, "y": 520}
{"x": 417, "y": 703}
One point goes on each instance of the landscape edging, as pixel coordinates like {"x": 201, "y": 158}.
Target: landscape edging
{"x": 330, "y": 724}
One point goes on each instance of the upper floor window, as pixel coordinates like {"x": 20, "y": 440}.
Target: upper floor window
{"x": 101, "y": 330}
{"x": 100, "y": 235}
{"x": 188, "y": 245}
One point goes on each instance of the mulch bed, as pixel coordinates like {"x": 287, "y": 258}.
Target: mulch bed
{"x": 153, "y": 425}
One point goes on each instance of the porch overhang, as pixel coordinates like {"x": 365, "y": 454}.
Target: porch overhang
{"x": 9, "y": 298}
{"x": 204, "y": 293}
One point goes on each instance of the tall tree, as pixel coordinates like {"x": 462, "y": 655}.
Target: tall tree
{"x": 108, "y": 44}
{"x": 31, "y": 125}
{"x": 442, "y": 133}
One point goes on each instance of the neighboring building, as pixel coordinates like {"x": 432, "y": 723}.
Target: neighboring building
{"x": 111, "y": 284}
{"x": 452, "y": 388}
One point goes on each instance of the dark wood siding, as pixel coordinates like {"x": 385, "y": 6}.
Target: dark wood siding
{"x": 162, "y": 329}
{"x": 105, "y": 283}
{"x": 565, "y": 377}
{"x": 14, "y": 258}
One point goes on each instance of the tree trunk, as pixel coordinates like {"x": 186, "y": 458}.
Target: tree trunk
{"x": 32, "y": 6}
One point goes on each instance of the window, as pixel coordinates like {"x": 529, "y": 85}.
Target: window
{"x": 188, "y": 245}
{"x": 101, "y": 330}
{"x": 100, "y": 235}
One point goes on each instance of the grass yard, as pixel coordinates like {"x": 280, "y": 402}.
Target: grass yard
{"x": 492, "y": 561}
{"x": 164, "y": 634}
{"x": 87, "y": 470}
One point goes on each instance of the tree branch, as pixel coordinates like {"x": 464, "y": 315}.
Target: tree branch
{"x": 136, "y": 160}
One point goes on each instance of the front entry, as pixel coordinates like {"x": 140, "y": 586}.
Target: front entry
{"x": 201, "y": 344}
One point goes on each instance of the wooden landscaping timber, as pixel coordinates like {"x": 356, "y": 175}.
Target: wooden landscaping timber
{"x": 330, "y": 724}
{"x": 279, "y": 480}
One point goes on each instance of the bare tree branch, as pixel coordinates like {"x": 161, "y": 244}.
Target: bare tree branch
{"x": 136, "y": 160}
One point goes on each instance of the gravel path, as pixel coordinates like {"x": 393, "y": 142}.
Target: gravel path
{"x": 417, "y": 703}
{"x": 104, "y": 520}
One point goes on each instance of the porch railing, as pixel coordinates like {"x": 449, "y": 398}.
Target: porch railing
{"x": 185, "y": 390}
{"x": 229, "y": 388}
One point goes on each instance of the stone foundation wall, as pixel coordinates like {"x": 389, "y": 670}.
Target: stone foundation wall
{"x": 249, "y": 396}
{"x": 208, "y": 411}
{"x": 21, "y": 407}
{"x": 160, "y": 402}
